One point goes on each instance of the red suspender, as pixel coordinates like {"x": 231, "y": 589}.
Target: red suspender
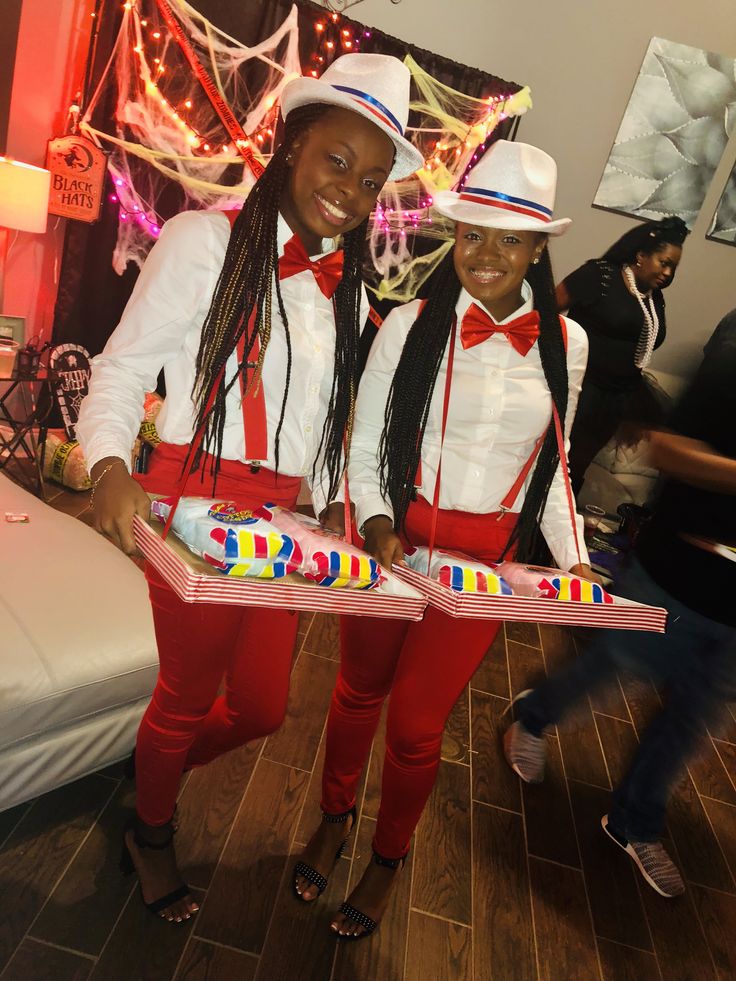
{"x": 253, "y": 405}
{"x": 445, "y": 408}
{"x": 507, "y": 503}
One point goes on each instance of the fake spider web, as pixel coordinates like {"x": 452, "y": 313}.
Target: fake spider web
{"x": 169, "y": 152}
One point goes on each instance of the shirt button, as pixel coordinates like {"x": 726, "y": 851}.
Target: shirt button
{"x": 494, "y": 372}
{"x": 307, "y": 429}
{"x": 315, "y": 389}
{"x": 317, "y": 348}
{"x": 476, "y": 473}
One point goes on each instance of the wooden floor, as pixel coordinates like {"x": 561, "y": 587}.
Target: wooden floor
{"x": 504, "y": 881}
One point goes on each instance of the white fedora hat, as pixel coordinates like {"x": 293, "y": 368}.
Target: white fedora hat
{"x": 512, "y": 187}
{"x": 375, "y": 86}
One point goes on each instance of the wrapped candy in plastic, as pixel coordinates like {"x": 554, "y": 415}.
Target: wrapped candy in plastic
{"x": 237, "y": 543}
{"x": 329, "y": 560}
{"x": 460, "y": 572}
{"x": 531, "y": 580}
{"x": 268, "y": 542}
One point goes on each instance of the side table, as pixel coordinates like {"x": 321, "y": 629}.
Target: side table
{"x": 25, "y": 405}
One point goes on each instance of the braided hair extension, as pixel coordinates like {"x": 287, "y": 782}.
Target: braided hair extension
{"x": 554, "y": 364}
{"x": 347, "y": 302}
{"x": 413, "y": 384}
{"x": 245, "y": 290}
{"x": 412, "y": 387}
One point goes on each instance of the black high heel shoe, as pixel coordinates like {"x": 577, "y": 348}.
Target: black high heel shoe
{"x": 357, "y": 916}
{"x": 127, "y": 866}
{"x": 314, "y": 877}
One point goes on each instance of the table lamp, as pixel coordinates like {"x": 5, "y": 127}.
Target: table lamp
{"x": 24, "y": 201}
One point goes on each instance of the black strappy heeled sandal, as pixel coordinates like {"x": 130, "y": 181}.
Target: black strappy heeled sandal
{"x": 314, "y": 877}
{"x": 357, "y": 916}
{"x": 127, "y": 867}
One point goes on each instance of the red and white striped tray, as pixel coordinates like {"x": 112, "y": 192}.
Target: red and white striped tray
{"x": 196, "y": 582}
{"x": 623, "y": 614}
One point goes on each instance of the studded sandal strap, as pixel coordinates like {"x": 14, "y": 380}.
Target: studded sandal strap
{"x": 311, "y": 875}
{"x": 169, "y": 899}
{"x": 389, "y": 863}
{"x": 340, "y": 818}
{"x": 356, "y": 916}
{"x": 156, "y": 846}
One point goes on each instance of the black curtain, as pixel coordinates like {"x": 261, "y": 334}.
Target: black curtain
{"x": 91, "y": 295}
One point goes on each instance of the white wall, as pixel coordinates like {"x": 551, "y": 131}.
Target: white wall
{"x": 581, "y": 58}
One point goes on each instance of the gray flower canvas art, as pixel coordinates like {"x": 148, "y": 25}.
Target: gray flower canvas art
{"x": 675, "y": 128}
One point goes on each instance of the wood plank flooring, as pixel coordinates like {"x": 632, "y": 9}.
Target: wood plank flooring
{"x": 503, "y": 881}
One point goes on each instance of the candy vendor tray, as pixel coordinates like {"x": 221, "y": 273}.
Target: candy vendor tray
{"x": 623, "y": 614}
{"x": 194, "y": 581}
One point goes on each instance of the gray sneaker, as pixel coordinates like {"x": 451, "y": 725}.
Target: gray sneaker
{"x": 526, "y": 754}
{"x": 652, "y": 860}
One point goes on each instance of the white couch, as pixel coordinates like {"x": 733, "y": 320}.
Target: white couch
{"x": 77, "y": 650}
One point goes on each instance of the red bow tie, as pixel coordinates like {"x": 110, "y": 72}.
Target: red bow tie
{"x": 477, "y": 326}
{"x": 327, "y": 271}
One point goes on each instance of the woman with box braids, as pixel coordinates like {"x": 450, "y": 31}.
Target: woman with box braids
{"x": 246, "y": 284}
{"x": 413, "y": 385}
{"x": 255, "y": 319}
{"x": 470, "y": 467}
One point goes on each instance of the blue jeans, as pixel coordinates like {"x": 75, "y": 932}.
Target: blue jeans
{"x": 695, "y": 659}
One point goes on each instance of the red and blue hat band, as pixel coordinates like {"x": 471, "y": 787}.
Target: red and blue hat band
{"x": 520, "y": 206}
{"x": 374, "y": 106}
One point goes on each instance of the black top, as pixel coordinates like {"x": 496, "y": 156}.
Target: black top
{"x": 613, "y": 320}
{"x": 700, "y": 580}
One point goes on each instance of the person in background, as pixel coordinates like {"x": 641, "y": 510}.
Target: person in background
{"x": 618, "y": 301}
{"x": 272, "y": 306}
{"x": 686, "y": 563}
{"x": 490, "y": 324}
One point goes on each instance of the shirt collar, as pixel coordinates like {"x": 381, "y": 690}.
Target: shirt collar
{"x": 466, "y": 300}
{"x": 284, "y": 233}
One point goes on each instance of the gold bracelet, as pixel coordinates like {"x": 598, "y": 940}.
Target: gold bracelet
{"x": 107, "y": 469}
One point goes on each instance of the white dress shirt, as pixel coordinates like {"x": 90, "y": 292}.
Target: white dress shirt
{"x": 499, "y": 406}
{"x": 161, "y": 328}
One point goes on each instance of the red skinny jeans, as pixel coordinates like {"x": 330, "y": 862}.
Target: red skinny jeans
{"x": 425, "y": 666}
{"x": 199, "y": 644}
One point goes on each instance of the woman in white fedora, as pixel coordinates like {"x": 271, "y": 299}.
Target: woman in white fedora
{"x": 264, "y": 301}
{"x": 491, "y": 321}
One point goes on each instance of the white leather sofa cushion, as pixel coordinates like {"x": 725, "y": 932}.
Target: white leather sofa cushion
{"x": 76, "y": 632}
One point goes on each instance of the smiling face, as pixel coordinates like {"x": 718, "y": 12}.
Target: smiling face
{"x": 656, "y": 270}
{"x": 491, "y": 264}
{"x": 338, "y": 168}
